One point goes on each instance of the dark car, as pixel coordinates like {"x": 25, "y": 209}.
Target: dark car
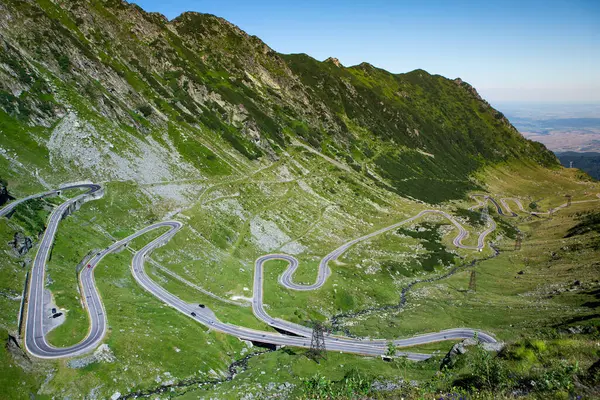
{"x": 201, "y": 305}
{"x": 193, "y": 314}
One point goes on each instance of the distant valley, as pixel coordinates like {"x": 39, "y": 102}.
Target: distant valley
{"x": 561, "y": 127}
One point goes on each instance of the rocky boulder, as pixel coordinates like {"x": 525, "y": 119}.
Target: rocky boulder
{"x": 21, "y": 244}
{"x": 461, "y": 348}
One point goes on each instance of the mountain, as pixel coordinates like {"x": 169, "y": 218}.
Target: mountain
{"x": 560, "y": 127}
{"x": 97, "y": 83}
{"x": 587, "y": 162}
{"x": 253, "y": 152}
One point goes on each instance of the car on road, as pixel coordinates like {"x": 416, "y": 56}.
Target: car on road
{"x": 89, "y": 265}
{"x": 193, "y": 314}
{"x": 201, "y": 305}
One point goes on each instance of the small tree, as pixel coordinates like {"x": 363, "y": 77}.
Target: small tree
{"x": 64, "y": 62}
{"x": 146, "y": 110}
{"x": 391, "y": 349}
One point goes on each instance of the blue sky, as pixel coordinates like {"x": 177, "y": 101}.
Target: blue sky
{"x": 528, "y": 50}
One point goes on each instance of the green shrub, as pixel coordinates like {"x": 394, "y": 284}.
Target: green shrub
{"x": 523, "y": 353}
{"x": 64, "y": 63}
{"x": 559, "y": 376}
{"x": 538, "y": 345}
{"x": 489, "y": 369}
{"x": 146, "y": 110}
{"x": 352, "y": 386}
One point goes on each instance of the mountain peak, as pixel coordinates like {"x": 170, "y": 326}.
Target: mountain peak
{"x": 366, "y": 66}
{"x": 334, "y": 61}
{"x": 194, "y": 23}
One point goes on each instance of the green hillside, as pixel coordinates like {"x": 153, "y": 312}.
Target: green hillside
{"x": 587, "y": 162}
{"x": 257, "y": 152}
{"x": 199, "y": 85}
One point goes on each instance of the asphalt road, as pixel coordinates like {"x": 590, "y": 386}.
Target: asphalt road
{"x": 286, "y": 279}
{"x": 36, "y": 344}
{"x": 510, "y": 213}
{"x": 332, "y": 344}
{"x": 92, "y": 188}
{"x": 324, "y": 271}
{"x": 35, "y": 341}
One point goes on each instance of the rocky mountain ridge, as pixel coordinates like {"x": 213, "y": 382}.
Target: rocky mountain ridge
{"x": 109, "y": 85}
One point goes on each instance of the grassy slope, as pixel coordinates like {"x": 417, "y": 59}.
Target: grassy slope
{"x": 587, "y": 162}
{"x": 431, "y": 307}
{"x": 407, "y": 132}
{"x": 318, "y": 205}
{"x": 539, "y": 303}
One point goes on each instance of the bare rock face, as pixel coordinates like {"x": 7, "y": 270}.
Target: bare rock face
{"x": 18, "y": 355}
{"x": 461, "y": 348}
{"x": 334, "y": 61}
{"x": 21, "y": 244}
{"x": 469, "y": 88}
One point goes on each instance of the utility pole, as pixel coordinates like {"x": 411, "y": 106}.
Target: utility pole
{"x": 485, "y": 213}
{"x": 317, "y": 343}
{"x": 472, "y": 282}
{"x": 518, "y": 242}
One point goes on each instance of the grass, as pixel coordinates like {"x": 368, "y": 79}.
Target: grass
{"x": 404, "y": 137}
{"x": 70, "y": 247}
{"x": 505, "y": 301}
{"x": 292, "y": 366}
{"x": 19, "y": 379}
{"x": 431, "y": 306}
{"x": 76, "y": 237}
{"x": 13, "y": 278}
{"x": 148, "y": 338}
{"x": 225, "y": 312}
{"x": 320, "y": 207}
{"x": 132, "y": 313}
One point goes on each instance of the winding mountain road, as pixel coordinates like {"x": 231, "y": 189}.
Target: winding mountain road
{"x": 35, "y": 340}
{"x": 92, "y": 188}
{"x": 36, "y": 343}
{"x": 286, "y": 279}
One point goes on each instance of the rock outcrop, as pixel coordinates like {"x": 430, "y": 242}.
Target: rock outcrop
{"x": 17, "y": 353}
{"x": 334, "y": 61}
{"x": 462, "y": 348}
{"x": 21, "y": 244}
